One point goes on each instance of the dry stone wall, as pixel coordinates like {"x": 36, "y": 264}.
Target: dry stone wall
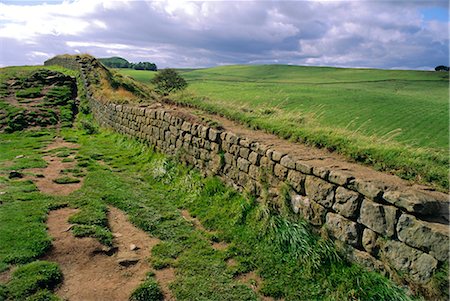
{"x": 396, "y": 230}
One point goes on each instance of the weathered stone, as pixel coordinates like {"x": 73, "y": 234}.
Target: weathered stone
{"x": 308, "y": 209}
{"x": 404, "y": 259}
{"x": 296, "y": 180}
{"x": 320, "y": 191}
{"x": 276, "y": 156}
{"x": 213, "y": 135}
{"x": 364, "y": 259}
{"x": 287, "y": 162}
{"x": 243, "y": 164}
{"x": 254, "y": 172}
{"x": 369, "y": 241}
{"x": 339, "y": 177}
{"x": 342, "y": 229}
{"x": 346, "y": 202}
{"x": 127, "y": 261}
{"x": 280, "y": 171}
{"x": 321, "y": 172}
{"x": 232, "y": 138}
{"x": 429, "y": 237}
{"x": 379, "y": 218}
{"x": 254, "y": 158}
{"x": 244, "y": 143}
{"x": 369, "y": 189}
{"x": 303, "y": 167}
{"x": 244, "y": 152}
{"x": 414, "y": 202}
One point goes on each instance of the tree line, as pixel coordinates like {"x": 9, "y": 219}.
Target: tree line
{"x": 118, "y": 62}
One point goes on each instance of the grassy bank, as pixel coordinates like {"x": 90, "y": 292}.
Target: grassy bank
{"x": 292, "y": 262}
{"x": 396, "y": 121}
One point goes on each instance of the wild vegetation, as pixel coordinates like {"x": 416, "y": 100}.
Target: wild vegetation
{"x": 396, "y": 121}
{"x": 118, "y": 62}
{"x": 265, "y": 250}
{"x": 39, "y": 97}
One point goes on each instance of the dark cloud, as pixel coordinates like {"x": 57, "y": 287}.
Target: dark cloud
{"x": 380, "y": 34}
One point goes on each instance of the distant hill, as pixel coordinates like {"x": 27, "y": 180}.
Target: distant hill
{"x": 118, "y": 62}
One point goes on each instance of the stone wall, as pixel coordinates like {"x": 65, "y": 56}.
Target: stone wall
{"x": 399, "y": 230}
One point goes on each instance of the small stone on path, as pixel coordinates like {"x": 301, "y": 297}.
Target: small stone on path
{"x": 133, "y": 247}
{"x": 127, "y": 261}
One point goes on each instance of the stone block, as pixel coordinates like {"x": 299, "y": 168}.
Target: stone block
{"x": 232, "y": 138}
{"x": 303, "y": 167}
{"x": 204, "y": 132}
{"x": 244, "y": 143}
{"x": 406, "y": 260}
{"x": 254, "y": 172}
{"x": 276, "y": 156}
{"x": 254, "y": 157}
{"x": 370, "y": 190}
{"x": 413, "y": 201}
{"x": 340, "y": 177}
{"x": 244, "y": 152}
{"x": 321, "y": 172}
{"x": 364, "y": 259}
{"x": 320, "y": 191}
{"x": 380, "y": 218}
{"x": 243, "y": 164}
{"x": 309, "y": 210}
{"x": 280, "y": 171}
{"x": 214, "y": 135}
{"x": 297, "y": 181}
{"x": 343, "y": 229}
{"x": 369, "y": 241}
{"x": 287, "y": 162}
{"x": 346, "y": 202}
{"x": 429, "y": 237}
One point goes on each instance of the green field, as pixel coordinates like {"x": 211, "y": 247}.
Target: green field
{"x": 141, "y": 75}
{"x": 396, "y": 121}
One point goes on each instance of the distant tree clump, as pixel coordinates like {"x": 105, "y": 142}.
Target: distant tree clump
{"x": 118, "y": 62}
{"x": 442, "y": 68}
{"x": 168, "y": 80}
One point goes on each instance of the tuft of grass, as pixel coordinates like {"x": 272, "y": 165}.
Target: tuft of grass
{"x": 66, "y": 180}
{"x": 147, "y": 291}
{"x": 32, "y": 277}
{"x": 32, "y": 92}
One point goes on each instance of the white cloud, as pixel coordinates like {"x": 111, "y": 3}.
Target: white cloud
{"x": 174, "y": 33}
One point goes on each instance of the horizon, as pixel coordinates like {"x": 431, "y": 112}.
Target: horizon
{"x": 388, "y": 35}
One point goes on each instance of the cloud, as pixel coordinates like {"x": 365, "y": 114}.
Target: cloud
{"x": 382, "y": 34}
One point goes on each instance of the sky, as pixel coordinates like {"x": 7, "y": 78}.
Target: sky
{"x": 399, "y": 34}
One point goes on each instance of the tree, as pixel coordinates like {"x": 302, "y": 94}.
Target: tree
{"x": 441, "y": 68}
{"x": 168, "y": 80}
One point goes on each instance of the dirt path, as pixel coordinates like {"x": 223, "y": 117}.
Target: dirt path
{"x": 44, "y": 177}
{"x": 92, "y": 272}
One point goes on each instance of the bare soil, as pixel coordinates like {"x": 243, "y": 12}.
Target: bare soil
{"x": 91, "y": 271}
{"x": 44, "y": 177}
{"x": 252, "y": 280}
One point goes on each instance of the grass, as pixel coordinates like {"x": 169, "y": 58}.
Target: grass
{"x": 34, "y": 279}
{"x": 396, "y": 121}
{"x": 66, "y": 180}
{"x": 143, "y": 76}
{"x": 152, "y": 189}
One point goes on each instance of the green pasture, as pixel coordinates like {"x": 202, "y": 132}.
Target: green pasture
{"x": 143, "y": 76}
{"x": 411, "y": 104}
